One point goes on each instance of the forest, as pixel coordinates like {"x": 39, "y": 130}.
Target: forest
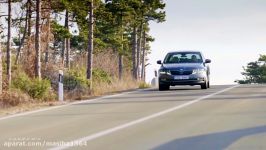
{"x": 101, "y": 46}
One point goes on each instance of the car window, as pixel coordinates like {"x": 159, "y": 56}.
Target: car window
{"x": 183, "y": 57}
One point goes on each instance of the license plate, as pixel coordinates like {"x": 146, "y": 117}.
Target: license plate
{"x": 181, "y": 77}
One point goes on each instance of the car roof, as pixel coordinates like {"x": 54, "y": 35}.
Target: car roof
{"x": 185, "y": 51}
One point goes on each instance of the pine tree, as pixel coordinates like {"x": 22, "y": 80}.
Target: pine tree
{"x": 1, "y": 68}
{"x": 90, "y": 42}
{"x": 38, "y": 40}
{"x": 8, "y": 53}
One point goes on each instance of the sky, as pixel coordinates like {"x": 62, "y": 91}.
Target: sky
{"x": 229, "y": 32}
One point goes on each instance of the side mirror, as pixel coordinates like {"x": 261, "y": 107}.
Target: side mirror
{"x": 159, "y": 62}
{"x": 207, "y": 61}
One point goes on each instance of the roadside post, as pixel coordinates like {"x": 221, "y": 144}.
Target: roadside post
{"x": 60, "y": 86}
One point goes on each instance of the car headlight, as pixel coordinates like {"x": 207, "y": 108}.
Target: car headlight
{"x": 198, "y": 71}
{"x": 165, "y": 71}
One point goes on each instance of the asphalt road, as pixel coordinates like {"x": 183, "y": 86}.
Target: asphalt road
{"x": 185, "y": 118}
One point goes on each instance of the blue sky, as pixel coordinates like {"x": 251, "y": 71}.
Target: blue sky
{"x": 229, "y": 32}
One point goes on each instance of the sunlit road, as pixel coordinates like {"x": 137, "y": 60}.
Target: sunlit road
{"x": 185, "y": 118}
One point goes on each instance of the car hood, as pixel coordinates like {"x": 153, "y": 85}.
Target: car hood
{"x": 184, "y": 66}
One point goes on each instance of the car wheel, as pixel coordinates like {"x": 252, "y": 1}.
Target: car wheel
{"x": 163, "y": 87}
{"x": 204, "y": 85}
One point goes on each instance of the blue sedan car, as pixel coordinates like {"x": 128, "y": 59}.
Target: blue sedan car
{"x": 184, "y": 68}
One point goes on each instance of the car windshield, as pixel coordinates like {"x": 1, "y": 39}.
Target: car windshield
{"x": 183, "y": 57}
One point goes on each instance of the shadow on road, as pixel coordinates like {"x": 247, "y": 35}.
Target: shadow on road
{"x": 173, "y": 92}
{"x": 188, "y": 88}
{"x": 176, "y": 89}
{"x": 217, "y": 141}
{"x": 154, "y": 96}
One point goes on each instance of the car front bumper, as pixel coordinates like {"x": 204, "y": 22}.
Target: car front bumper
{"x": 193, "y": 79}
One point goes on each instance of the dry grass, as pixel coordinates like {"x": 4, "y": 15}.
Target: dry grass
{"x": 16, "y": 101}
{"x": 76, "y": 94}
{"x": 101, "y": 88}
{"x": 27, "y": 107}
{"x": 107, "y": 61}
{"x": 13, "y": 98}
{"x": 143, "y": 85}
{"x": 117, "y": 85}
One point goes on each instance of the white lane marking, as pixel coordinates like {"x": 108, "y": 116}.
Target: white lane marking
{"x": 123, "y": 126}
{"x": 64, "y": 105}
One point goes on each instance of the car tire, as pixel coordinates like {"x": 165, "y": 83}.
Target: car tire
{"x": 163, "y": 87}
{"x": 204, "y": 85}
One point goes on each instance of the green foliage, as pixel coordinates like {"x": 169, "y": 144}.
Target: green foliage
{"x": 242, "y": 82}
{"x": 112, "y": 20}
{"x": 262, "y": 58}
{"x": 22, "y": 82}
{"x": 13, "y": 64}
{"x": 77, "y": 42}
{"x": 16, "y": 41}
{"x": 100, "y": 75}
{"x": 37, "y": 89}
{"x": 113, "y": 27}
{"x": 255, "y": 72}
{"x": 60, "y": 32}
{"x": 77, "y": 78}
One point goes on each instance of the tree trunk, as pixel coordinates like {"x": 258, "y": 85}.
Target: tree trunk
{"x": 24, "y": 35}
{"x": 139, "y": 50}
{"x": 29, "y": 18}
{"x": 67, "y": 41}
{"x": 1, "y": 69}
{"x": 29, "y": 29}
{"x": 8, "y": 53}
{"x": 134, "y": 50}
{"x": 47, "y": 40}
{"x": 120, "y": 59}
{"x": 143, "y": 57}
{"x": 120, "y": 66}
{"x": 90, "y": 44}
{"x": 37, "y": 41}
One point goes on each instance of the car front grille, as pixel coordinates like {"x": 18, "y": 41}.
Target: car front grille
{"x": 178, "y": 72}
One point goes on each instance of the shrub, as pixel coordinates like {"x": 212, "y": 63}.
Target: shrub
{"x": 22, "y": 82}
{"x": 37, "y": 89}
{"x": 100, "y": 75}
{"x": 76, "y": 79}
